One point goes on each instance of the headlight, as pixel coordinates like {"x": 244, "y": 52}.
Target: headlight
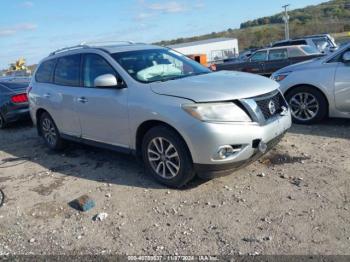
{"x": 217, "y": 112}
{"x": 280, "y": 77}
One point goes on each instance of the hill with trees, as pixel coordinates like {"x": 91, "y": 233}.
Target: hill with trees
{"x": 329, "y": 17}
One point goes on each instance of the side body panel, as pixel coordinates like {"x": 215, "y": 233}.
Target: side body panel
{"x": 342, "y": 88}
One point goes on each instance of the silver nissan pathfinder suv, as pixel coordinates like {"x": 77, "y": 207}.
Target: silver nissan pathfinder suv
{"x": 178, "y": 116}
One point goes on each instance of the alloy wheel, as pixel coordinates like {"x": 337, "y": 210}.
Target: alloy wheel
{"x": 49, "y": 131}
{"x": 304, "y": 106}
{"x": 163, "y": 158}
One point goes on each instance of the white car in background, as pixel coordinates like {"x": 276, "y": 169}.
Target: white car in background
{"x": 318, "y": 88}
{"x": 323, "y": 43}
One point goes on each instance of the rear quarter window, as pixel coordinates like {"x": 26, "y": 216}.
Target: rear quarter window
{"x": 45, "y": 71}
{"x": 67, "y": 71}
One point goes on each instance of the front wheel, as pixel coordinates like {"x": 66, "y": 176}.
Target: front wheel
{"x": 308, "y": 105}
{"x": 50, "y": 132}
{"x": 166, "y": 157}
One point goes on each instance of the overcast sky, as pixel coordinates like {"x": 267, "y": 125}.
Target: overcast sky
{"x": 32, "y": 29}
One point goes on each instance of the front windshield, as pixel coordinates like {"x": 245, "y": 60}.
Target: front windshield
{"x": 153, "y": 65}
{"x": 310, "y": 50}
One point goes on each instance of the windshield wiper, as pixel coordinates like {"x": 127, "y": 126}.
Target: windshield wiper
{"x": 165, "y": 79}
{"x": 171, "y": 78}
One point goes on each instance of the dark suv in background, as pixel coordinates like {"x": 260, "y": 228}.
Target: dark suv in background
{"x": 267, "y": 61}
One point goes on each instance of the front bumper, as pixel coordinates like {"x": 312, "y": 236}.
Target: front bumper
{"x": 213, "y": 171}
{"x": 206, "y": 141}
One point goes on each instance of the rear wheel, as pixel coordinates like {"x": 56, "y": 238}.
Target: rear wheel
{"x": 50, "y": 132}
{"x": 308, "y": 105}
{"x": 2, "y": 122}
{"x": 166, "y": 157}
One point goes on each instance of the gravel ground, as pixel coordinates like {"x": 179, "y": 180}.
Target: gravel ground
{"x": 296, "y": 200}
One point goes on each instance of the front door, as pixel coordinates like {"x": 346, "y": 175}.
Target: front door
{"x": 342, "y": 87}
{"x": 103, "y": 112}
{"x": 256, "y": 64}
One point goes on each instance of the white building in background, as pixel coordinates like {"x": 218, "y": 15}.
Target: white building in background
{"x": 215, "y": 49}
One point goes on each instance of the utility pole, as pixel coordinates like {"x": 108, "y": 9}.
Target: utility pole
{"x": 286, "y": 21}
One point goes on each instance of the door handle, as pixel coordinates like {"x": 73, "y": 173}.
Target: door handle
{"x": 47, "y": 95}
{"x": 82, "y": 100}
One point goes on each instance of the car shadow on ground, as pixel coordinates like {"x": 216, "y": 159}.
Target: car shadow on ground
{"x": 333, "y": 127}
{"x": 21, "y": 142}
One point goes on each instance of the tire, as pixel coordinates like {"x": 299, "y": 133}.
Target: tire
{"x": 50, "y": 133}
{"x": 3, "y": 123}
{"x": 172, "y": 159}
{"x": 308, "y": 105}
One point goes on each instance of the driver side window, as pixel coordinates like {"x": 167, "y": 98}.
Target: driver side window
{"x": 95, "y": 66}
{"x": 259, "y": 56}
{"x": 339, "y": 57}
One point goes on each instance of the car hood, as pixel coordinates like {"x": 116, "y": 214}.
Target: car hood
{"x": 218, "y": 86}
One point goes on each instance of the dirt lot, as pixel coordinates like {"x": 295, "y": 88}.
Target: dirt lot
{"x": 294, "y": 201}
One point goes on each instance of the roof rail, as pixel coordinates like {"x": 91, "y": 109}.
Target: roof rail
{"x": 69, "y": 48}
{"x": 91, "y": 44}
{"x": 107, "y": 43}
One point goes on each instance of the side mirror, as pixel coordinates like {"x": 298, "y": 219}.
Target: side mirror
{"x": 333, "y": 49}
{"x": 346, "y": 57}
{"x": 107, "y": 80}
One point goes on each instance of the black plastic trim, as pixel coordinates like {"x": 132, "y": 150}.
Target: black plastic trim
{"x": 118, "y": 149}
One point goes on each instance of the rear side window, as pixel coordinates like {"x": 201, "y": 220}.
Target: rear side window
{"x": 67, "y": 71}
{"x": 295, "y": 52}
{"x": 95, "y": 66}
{"x": 45, "y": 71}
{"x": 279, "y": 54}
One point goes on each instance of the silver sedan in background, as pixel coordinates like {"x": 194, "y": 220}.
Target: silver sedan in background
{"x": 318, "y": 88}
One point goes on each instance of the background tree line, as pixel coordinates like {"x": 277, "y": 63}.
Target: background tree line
{"x": 330, "y": 17}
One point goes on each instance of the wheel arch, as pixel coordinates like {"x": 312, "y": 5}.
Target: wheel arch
{"x": 148, "y": 125}
{"x": 289, "y": 90}
{"x": 38, "y": 114}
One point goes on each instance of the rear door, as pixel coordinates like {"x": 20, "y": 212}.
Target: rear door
{"x": 103, "y": 112}
{"x": 256, "y": 64}
{"x": 278, "y": 58}
{"x": 63, "y": 92}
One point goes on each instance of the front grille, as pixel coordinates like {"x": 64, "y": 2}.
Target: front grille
{"x": 271, "y": 105}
